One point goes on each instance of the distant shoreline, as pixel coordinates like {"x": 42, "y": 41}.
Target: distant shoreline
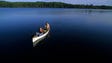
{"x": 4, "y": 4}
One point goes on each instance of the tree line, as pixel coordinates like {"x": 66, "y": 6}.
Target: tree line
{"x": 48, "y": 5}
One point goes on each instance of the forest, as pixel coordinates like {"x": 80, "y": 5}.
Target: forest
{"x": 49, "y": 5}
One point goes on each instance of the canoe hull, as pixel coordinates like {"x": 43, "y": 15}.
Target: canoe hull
{"x": 37, "y": 39}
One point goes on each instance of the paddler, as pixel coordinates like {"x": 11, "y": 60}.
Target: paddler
{"x": 41, "y": 30}
{"x": 47, "y": 26}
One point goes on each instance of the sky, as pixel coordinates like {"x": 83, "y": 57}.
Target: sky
{"x": 94, "y": 2}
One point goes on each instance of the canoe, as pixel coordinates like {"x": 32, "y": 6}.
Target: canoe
{"x": 37, "y": 39}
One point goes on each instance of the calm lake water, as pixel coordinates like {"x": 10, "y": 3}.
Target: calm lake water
{"x": 75, "y": 33}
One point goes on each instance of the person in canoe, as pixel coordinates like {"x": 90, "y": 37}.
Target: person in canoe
{"x": 41, "y": 30}
{"x": 44, "y": 30}
{"x": 47, "y": 27}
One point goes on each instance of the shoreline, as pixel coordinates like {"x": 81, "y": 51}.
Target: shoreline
{"x": 50, "y": 8}
{"x": 5, "y": 4}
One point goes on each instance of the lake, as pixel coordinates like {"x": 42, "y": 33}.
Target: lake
{"x": 75, "y": 34}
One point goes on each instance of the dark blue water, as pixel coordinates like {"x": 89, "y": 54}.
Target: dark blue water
{"x": 75, "y": 34}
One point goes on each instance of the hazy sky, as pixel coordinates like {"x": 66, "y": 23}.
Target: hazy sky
{"x": 95, "y": 2}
